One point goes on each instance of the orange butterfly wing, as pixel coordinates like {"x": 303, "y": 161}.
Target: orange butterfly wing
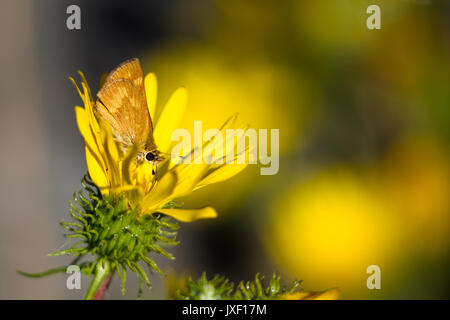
{"x": 122, "y": 103}
{"x": 130, "y": 70}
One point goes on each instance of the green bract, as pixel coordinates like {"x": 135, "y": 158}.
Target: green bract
{"x": 115, "y": 236}
{"x": 219, "y": 288}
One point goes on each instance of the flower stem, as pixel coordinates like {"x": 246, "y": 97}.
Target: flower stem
{"x": 103, "y": 287}
{"x": 101, "y": 281}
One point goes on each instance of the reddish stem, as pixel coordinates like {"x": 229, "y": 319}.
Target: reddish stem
{"x": 103, "y": 287}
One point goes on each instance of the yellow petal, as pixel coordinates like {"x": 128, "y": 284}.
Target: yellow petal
{"x": 110, "y": 143}
{"x": 85, "y": 129}
{"x": 224, "y": 172}
{"x": 331, "y": 294}
{"x": 96, "y": 171}
{"x": 85, "y": 85}
{"x": 151, "y": 91}
{"x": 134, "y": 196}
{"x": 90, "y": 112}
{"x": 160, "y": 194}
{"x": 144, "y": 175}
{"x": 89, "y": 127}
{"x": 170, "y": 119}
{"x": 76, "y": 87}
{"x": 127, "y": 162}
{"x": 190, "y": 215}
{"x": 189, "y": 175}
{"x": 294, "y": 296}
{"x": 110, "y": 154}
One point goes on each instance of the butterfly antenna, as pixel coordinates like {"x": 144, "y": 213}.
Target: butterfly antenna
{"x": 169, "y": 155}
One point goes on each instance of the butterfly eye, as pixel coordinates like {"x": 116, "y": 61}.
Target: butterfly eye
{"x": 150, "y": 156}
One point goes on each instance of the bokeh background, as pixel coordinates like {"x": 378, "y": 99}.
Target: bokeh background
{"x": 364, "y": 136}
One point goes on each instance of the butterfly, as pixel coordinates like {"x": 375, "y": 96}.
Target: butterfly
{"x": 122, "y": 103}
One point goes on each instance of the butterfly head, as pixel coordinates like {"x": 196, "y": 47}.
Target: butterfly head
{"x": 153, "y": 157}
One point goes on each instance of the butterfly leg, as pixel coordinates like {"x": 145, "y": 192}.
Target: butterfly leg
{"x": 155, "y": 171}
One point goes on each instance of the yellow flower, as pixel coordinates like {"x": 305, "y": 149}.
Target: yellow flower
{"x": 330, "y": 294}
{"x": 330, "y": 227}
{"x": 116, "y": 174}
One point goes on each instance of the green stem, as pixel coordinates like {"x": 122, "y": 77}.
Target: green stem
{"x": 102, "y": 270}
{"x": 42, "y": 274}
{"x": 48, "y": 272}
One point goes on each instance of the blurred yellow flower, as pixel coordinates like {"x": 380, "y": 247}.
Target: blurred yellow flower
{"x": 260, "y": 91}
{"x": 330, "y": 228}
{"x": 117, "y": 174}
